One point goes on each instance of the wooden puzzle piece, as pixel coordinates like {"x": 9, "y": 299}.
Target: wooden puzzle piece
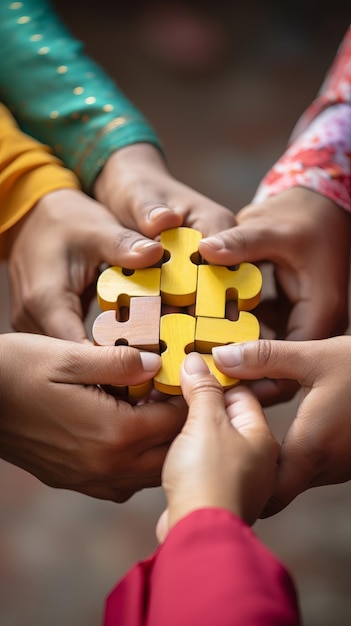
{"x": 140, "y": 330}
{"x": 179, "y": 272}
{"x": 116, "y": 285}
{"x": 211, "y": 331}
{"x": 225, "y": 381}
{"x": 177, "y": 334}
{"x": 218, "y": 284}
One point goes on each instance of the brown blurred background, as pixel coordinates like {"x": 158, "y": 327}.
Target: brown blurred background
{"x": 223, "y": 84}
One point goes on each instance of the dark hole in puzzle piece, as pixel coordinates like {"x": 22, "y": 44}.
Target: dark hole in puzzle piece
{"x": 121, "y": 342}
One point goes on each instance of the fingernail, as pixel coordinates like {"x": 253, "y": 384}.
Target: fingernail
{"x": 151, "y": 362}
{"x": 155, "y": 213}
{"x": 143, "y": 244}
{"x": 228, "y": 356}
{"x": 194, "y": 364}
{"x": 214, "y": 242}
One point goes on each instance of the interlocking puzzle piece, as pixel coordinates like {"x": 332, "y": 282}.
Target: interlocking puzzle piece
{"x": 218, "y": 284}
{"x": 179, "y": 272}
{"x": 177, "y": 335}
{"x": 211, "y": 331}
{"x": 116, "y": 285}
{"x": 141, "y": 330}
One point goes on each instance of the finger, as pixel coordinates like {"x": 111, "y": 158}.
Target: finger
{"x": 107, "y": 365}
{"x": 125, "y": 247}
{"x": 209, "y": 217}
{"x": 244, "y": 411}
{"x": 266, "y": 358}
{"x": 239, "y": 244}
{"x": 151, "y": 217}
{"x": 200, "y": 388}
{"x": 297, "y": 469}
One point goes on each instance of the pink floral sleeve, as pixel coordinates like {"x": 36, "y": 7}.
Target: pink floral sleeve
{"x": 318, "y": 156}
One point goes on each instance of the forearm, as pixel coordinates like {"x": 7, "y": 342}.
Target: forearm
{"x": 60, "y": 95}
{"x": 318, "y": 152}
{"x": 211, "y": 570}
{"x": 318, "y": 159}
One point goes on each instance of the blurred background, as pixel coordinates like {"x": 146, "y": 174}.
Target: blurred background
{"x": 223, "y": 84}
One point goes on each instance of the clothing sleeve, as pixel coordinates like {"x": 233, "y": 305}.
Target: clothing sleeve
{"x": 59, "y": 95}
{"x": 319, "y": 151}
{"x": 211, "y": 570}
{"x": 28, "y": 171}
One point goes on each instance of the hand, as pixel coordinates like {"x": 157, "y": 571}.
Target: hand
{"x": 55, "y": 258}
{"x": 316, "y": 448}
{"x": 225, "y": 455}
{"x": 59, "y": 426}
{"x": 307, "y": 239}
{"x": 136, "y": 186}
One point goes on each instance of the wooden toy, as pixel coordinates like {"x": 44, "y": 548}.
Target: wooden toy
{"x": 179, "y": 272}
{"x": 181, "y": 280}
{"x": 218, "y": 284}
{"x": 177, "y": 336}
{"x": 116, "y": 285}
{"x": 141, "y": 329}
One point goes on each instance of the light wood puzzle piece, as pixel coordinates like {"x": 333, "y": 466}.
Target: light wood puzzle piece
{"x": 116, "y": 285}
{"x": 141, "y": 330}
{"x": 218, "y": 284}
{"x": 179, "y": 272}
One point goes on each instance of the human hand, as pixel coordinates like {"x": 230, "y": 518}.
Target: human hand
{"x": 306, "y": 238}
{"x": 57, "y": 424}
{"x": 136, "y": 186}
{"x": 225, "y": 455}
{"x": 55, "y": 258}
{"x": 316, "y": 447}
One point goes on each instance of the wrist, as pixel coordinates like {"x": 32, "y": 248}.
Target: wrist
{"x": 178, "y": 510}
{"x": 126, "y": 164}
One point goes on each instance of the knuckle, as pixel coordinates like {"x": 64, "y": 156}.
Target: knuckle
{"x": 123, "y": 239}
{"x": 127, "y": 360}
{"x": 264, "y": 352}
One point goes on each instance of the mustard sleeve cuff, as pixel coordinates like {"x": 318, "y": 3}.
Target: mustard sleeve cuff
{"x": 28, "y": 171}
{"x": 20, "y": 192}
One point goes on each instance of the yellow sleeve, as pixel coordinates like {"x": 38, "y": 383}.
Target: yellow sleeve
{"x": 28, "y": 171}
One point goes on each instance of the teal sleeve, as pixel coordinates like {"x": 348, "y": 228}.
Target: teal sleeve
{"x": 59, "y": 95}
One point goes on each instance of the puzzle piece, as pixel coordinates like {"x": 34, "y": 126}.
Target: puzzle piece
{"x": 218, "y": 284}
{"x": 116, "y": 285}
{"x": 211, "y": 331}
{"x": 179, "y": 282}
{"x": 141, "y": 330}
{"x": 177, "y": 335}
{"x": 179, "y": 272}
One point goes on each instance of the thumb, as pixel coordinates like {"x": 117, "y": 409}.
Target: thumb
{"x": 202, "y": 392}
{"x": 265, "y": 358}
{"x": 238, "y": 244}
{"x": 108, "y": 365}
